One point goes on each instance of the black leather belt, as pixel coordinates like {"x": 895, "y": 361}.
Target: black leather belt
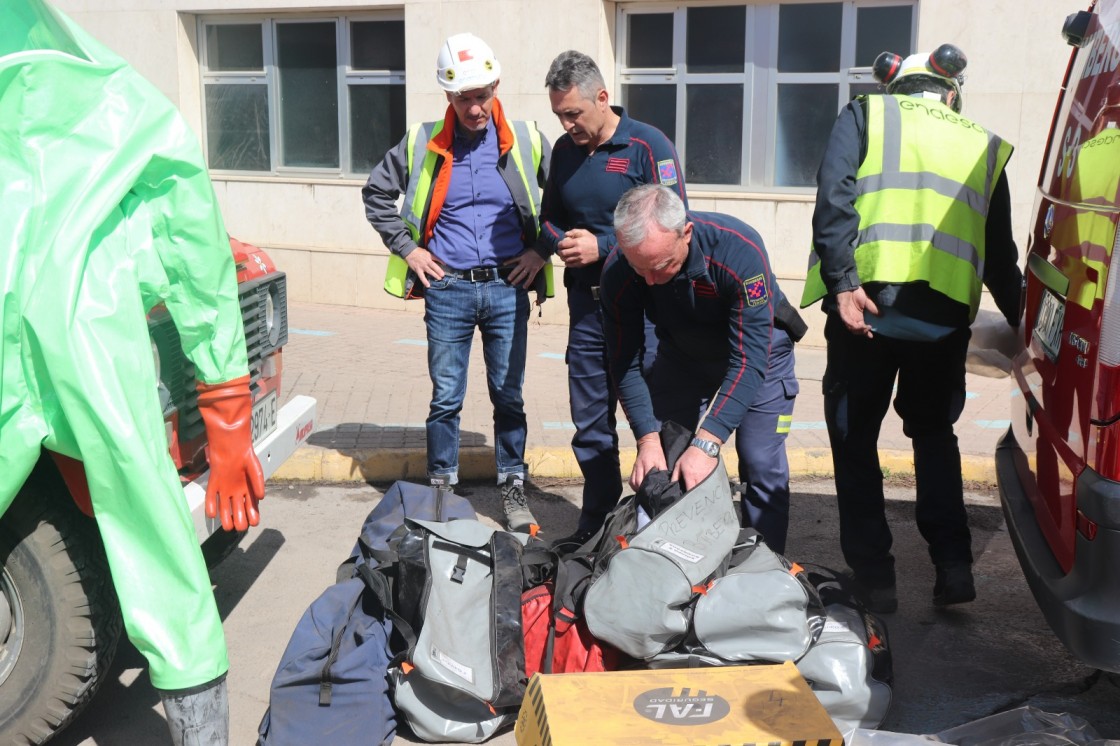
{"x": 481, "y": 274}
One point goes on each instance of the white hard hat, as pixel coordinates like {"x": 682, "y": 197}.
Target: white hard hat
{"x": 937, "y": 73}
{"x": 466, "y": 62}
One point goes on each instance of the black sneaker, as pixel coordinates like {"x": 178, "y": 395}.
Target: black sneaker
{"x": 516, "y": 506}
{"x": 878, "y": 598}
{"x": 954, "y": 584}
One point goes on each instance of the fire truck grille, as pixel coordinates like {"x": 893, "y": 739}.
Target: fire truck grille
{"x": 264, "y": 312}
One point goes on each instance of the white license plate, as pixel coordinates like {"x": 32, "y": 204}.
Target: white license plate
{"x": 265, "y": 414}
{"x": 1048, "y": 325}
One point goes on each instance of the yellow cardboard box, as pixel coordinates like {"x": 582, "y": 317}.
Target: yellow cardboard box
{"x": 742, "y": 705}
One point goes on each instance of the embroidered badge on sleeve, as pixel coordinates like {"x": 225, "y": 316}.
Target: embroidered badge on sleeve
{"x": 667, "y": 172}
{"x": 756, "y": 290}
{"x": 617, "y": 165}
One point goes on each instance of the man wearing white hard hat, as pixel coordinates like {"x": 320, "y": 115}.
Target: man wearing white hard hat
{"x": 913, "y": 215}
{"x": 471, "y": 184}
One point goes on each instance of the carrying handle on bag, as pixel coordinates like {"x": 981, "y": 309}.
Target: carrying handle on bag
{"x": 325, "y": 684}
{"x": 561, "y": 579}
{"x": 378, "y": 584}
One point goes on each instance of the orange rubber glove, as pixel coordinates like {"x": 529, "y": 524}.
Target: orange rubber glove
{"x": 236, "y": 480}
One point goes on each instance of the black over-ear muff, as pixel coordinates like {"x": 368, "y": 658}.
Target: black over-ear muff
{"x": 886, "y": 67}
{"x": 948, "y": 61}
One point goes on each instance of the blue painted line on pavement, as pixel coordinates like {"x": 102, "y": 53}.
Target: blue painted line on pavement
{"x": 414, "y": 342}
{"x": 970, "y": 395}
{"x": 552, "y": 355}
{"x": 310, "y": 332}
{"x": 993, "y": 424}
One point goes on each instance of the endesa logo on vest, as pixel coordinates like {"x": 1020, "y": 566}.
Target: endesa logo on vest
{"x": 685, "y": 708}
{"x": 936, "y": 112}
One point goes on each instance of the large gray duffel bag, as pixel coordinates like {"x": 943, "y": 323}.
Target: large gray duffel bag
{"x": 459, "y": 585}
{"x": 437, "y": 713}
{"x": 762, "y": 609}
{"x": 849, "y": 667}
{"x": 643, "y": 582}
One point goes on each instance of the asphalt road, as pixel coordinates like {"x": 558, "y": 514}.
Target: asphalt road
{"x": 951, "y": 666}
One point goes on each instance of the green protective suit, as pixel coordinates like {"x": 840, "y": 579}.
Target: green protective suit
{"x": 107, "y": 210}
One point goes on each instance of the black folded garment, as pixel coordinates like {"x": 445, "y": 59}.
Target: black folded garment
{"x": 658, "y": 491}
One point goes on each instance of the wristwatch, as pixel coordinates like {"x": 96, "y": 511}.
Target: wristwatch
{"x": 709, "y": 447}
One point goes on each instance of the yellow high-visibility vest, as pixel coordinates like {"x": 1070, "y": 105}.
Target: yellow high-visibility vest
{"x": 923, "y": 194}
{"x": 527, "y": 148}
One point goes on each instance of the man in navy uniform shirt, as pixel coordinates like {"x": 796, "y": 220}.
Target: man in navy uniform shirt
{"x": 603, "y": 154}
{"x": 725, "y": 346}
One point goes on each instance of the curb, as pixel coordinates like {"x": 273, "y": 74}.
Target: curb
{"x": 317, "y": 464}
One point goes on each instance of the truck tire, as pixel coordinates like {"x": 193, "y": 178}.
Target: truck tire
{"x": 59, "y": 616}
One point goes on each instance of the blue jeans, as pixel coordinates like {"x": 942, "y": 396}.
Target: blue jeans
{"x": 453, "y": 308}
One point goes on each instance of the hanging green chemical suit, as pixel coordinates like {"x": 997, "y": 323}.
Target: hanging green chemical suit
{"x": 107, "y": 210}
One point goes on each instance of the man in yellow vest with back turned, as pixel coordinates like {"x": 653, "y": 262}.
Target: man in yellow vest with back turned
{"x": 913, "y": 214}
{"x": 471, "y": 185}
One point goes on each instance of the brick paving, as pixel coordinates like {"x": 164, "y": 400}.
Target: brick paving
{"x": 368, "y": 370}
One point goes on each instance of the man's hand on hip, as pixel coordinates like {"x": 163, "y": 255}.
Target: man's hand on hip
{"x": 578, "y": 248}
{"x": 525, "y": 265}
{"x": 850, "y": 305}
{"x": 424, "y": 265}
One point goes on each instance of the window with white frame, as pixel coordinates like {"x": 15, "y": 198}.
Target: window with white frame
{"x": 749, "y": 93}
{"x": 318, "y": 95}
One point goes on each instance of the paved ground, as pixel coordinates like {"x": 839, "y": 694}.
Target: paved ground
{"x": 368, "y": 370}
{"x": 951, "y": 666}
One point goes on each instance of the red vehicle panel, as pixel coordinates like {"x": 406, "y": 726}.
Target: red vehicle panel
{"x": 1059, "y": 464}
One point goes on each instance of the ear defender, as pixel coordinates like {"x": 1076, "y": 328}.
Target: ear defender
{"x": 886, "y": 67}
{"x": 947, "y": 60}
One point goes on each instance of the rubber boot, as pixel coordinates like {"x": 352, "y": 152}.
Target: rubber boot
{"x": 198, "y": 716}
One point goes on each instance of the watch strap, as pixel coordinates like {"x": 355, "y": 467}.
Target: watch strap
{"x": 709, "y": 447}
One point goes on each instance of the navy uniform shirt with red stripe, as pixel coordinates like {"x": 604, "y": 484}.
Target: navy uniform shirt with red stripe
{"x": 582, "y": 190}
{"x": 720, "y": 306}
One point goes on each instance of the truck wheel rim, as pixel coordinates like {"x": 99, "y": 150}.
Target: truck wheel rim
{"x": 11, "y": 626}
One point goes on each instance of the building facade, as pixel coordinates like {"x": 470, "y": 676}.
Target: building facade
{"x": 294, "y": 102}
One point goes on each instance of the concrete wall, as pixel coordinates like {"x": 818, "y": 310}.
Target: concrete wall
{"x": 316, "y": 229}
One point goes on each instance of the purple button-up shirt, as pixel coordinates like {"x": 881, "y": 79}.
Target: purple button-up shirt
{"x": 478, "y": 225}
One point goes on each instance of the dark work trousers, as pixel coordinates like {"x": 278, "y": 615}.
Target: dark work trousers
{"x": 682, "y": 390}
{"x": 858, "y": 383}
{"x": 593, "y": 406}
